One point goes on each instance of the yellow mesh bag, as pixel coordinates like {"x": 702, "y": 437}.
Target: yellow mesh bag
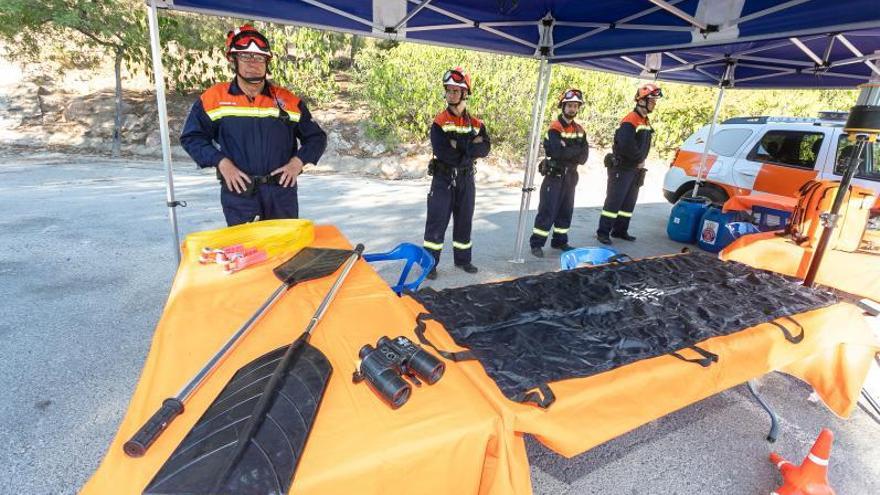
{"x": 275, "y": 237}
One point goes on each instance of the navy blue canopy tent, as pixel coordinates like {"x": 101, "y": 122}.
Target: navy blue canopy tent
{"x": 831, "y": 60}
{"x": 577, "y": 32}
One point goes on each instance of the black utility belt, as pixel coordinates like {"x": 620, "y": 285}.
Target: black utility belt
{"x": 436, "y": 167}
{"x": 251, "y": 187}
{"x": 554, "y": 168}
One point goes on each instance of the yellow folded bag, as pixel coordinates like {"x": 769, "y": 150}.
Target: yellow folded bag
{"x": 275, "y": 237}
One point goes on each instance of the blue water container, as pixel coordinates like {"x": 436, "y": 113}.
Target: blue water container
{"x": 714, "y": 234}
{"x": 684, "y": 219}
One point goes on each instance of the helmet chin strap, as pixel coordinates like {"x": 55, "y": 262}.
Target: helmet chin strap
{"x": 458, "y": 107}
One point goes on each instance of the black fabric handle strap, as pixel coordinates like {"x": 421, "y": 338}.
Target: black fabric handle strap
{"x": 452, "y": 356}
{"x": 542, "y": 399}
{"x": 542, "y": 396}
{"x": 794, "y": 339}
{"x": 706, "y": 361}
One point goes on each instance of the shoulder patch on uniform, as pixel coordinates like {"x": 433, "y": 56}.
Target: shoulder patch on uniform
{"x": 442, "y": 118}
{"x": 634, "y": 119}
{"x": 215, "y": 96}
{"x": 288, "y": 100}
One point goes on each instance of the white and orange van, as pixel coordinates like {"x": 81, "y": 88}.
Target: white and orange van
{"x": 770, "y": 155}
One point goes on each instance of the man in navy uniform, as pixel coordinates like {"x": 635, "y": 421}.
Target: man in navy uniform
{"x": 457, "y": 140}
{"x": 626, "y": 166}
{"x": 566, "y": 147}
{"x": 258, "y": 135}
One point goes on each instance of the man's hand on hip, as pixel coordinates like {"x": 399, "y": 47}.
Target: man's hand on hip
{"x": 289, "y": 172}
{"x": 235, "y": 179}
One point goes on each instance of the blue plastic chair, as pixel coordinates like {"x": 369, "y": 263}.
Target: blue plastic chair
{"x": 413, "y": 254}
{"x": 587, "y": 255}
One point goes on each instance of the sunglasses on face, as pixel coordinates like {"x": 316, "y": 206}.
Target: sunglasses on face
{"x": 251, "y": 57}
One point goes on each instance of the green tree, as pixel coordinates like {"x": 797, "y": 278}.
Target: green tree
{"x": 302, "y": 60}
{"x": 110, "y": 26}
{"x": 193, "y": 50}
{"x": 83, "y": 33}
{"x": 401, "y": 89}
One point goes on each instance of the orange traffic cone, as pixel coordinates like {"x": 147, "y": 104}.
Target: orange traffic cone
{"x": 811, "y": 478}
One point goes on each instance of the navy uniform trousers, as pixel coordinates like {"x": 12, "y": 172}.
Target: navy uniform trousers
{"x": 452, "y": 195}
{"x": 269, "y": 202}
{"x": 555, "y": 208}
{"x": 620, "y": 199}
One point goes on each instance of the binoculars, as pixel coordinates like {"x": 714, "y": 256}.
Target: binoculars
{"x": 384, "y": 366}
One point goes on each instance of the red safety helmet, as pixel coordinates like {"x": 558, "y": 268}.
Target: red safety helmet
{"x": 571, "y": 95}
{"x": 648, "y": 90}
{"x": 247, "y": 39}
{"x": 457, "y": 77}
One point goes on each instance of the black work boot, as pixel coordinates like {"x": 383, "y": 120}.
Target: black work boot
{"x": 603, "y": 238}
{"x": 565, "y": 247}
{"x": 624, "y": 236}
{"x": 432, "y": 275}
{"x": 468, "y": 267}
{"x": 537, "y": 252}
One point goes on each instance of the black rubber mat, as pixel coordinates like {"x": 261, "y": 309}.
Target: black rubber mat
{"x": 209, "y": 460}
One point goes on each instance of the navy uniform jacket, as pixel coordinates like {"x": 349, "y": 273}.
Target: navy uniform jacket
{"x": 462, "y": 129}
{"x": 576, "y": 149}
{"x": 632, "y": 140}
{"x": 258, "y": 136}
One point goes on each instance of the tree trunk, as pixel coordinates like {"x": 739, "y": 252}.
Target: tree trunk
{"x": 356, "y": 44}
{"x": 117, "y": 127}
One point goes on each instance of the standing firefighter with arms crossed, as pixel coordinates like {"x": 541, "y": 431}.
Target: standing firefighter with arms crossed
{"x": 457, "y": 140}
{"x": 256, "y": 126}
{"x": 626, "y": 166}
{"x": 566, "y": 147}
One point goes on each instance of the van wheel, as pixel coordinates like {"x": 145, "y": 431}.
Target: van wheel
{"x": 711, "y": 192}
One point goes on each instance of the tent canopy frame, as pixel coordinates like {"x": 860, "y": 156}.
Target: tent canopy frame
{"x": 704, "y": 34}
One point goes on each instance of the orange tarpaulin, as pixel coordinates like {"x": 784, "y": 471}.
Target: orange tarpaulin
{"x": 747, "y": 202}
{"x": 460, "y": 435}
{"x": 834, "y": 357}
{"x": 446, "y": 439}
{"x": 857, "y": 273}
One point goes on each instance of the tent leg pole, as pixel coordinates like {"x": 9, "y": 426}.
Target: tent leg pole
{"x": 869, "y": 103}
{"x": 774, "y": 421}
{"x": 541, "y": 91}
{"x": 159, "y": 76}
{"x": 708, "y": 142}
